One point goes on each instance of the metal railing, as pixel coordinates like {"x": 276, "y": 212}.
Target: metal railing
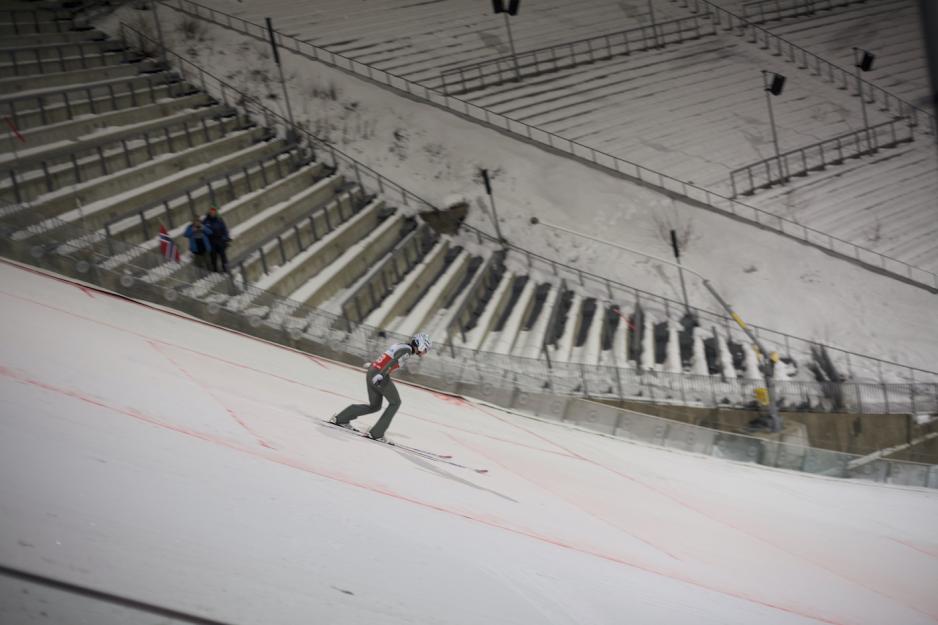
{"x": 855, "y": 364}
{"x": 98, "y": 53}
{"x": 803, "y": 59}
{"x": 817, "y": 156}
{"x": 847, "y": 250}
{"x": 467, "y": 78}
{"x": 270, "y": 315}
{"x": 367, "y": 178}
{"x": 761, "y": 11}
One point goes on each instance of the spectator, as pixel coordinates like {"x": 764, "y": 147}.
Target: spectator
{"x": 218, "y": 237}
{"x": 199, "y": 243}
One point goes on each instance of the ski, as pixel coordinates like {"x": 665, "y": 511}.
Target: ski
{"x": 429, "y": 455}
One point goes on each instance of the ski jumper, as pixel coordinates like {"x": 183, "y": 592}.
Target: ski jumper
{"x": 389, "y": 362}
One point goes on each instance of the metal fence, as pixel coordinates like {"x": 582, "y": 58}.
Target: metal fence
{"x": 852, "y": 365}
{"x": 761, "y": 11}
{"x": 524, "y": 384}
{"x": 803, "y": 59}
{"x": 818, "y": 156}
{"x": 467, "y": 78}
{"x": 847, "y": 250}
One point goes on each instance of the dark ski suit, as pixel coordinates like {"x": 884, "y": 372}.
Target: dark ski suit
{"x": 390, "y": 361}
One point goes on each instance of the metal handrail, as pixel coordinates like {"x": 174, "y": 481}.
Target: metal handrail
{"x": 605, "y": 45}
{"x": 847, "y": 250}
{"x": 408, "y": 198}
{"x": 756, "y": 9}
{"x": 848, "y": 145}
{"x": 821, "y": 66}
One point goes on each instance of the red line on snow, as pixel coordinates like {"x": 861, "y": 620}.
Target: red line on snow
{"x": 228, "y": 409}
{"x": 578, "y": 506}
{"x": 297, "y": 464}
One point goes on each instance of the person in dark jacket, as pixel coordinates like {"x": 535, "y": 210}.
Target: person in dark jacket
{"x": 379, "y": 384}
{"x": 219, "y": 239}
{"x": 199, "y": 243}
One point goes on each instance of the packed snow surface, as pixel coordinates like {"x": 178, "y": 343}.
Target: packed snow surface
{"x": 163, "y": 459}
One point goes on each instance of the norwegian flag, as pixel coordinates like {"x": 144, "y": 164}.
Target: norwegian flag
{"x": 167, "y": 246}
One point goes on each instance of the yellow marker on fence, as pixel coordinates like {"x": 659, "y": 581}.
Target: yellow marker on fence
{"x": 762, "y": 395}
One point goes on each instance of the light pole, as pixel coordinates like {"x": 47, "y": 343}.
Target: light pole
{"x": 159, "y": 33}
{"x": 488, "y": 189}
{"x": 291, "y": 134}
{"x": 864, "y": 64}
{"x": 775, "y": 88}
{"x": 768, "y": 358}
{"x": 512, "y": 9}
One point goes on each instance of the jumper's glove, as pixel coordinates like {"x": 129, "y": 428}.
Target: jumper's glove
{"x": 377, "y": 379}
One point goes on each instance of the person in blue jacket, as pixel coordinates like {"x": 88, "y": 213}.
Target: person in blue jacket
{"x": 219, "y": 237}
{"x": 200, "y": 242}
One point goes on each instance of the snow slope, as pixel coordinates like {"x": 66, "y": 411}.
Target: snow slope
{"x": 170, "y": 461}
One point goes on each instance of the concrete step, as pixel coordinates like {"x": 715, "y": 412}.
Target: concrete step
{"x": 74, "y": 162}
{"x": 305, "y": 233}
{"x": 80, "y": 77}
{"x": 65, "y": 37}
{"x": 48, "y": 115}
{"x": 415, "y": 286}
{"x": 99, "y": 189}
{"x": 43, "y": 98}
{"x": 298, "y": 270}
{"x": 257, "y": 215}
{"x": 87, "y": 124}
{"x": 529, "y": 342}
{"x": 502, "y": 340}
{"x": 134, "y": 233}
{"x": 24, "y": 24}
{"x": 428, "y": 306}
{"x": 113, "y": 208}
{"x": 491, "y": 313}
{"x": 54, "y": 51}
{"x": 383, "y": 278}
{"x": 281, "y": 206}
{"x": 15, "y": 65}
{"x": 354, "y": 262}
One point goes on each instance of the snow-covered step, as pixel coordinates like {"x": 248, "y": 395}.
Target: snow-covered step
{"x": 413, "y": 288}
{"x": 54, "y": 51}
{"x": 566, "y": 323}
{"x": 32, "y": 22}
{"x": 103, "y": 188}
{"x": 592, "y": 347}
{"x": 285, "y": 279}
{"x": 63, "y": 163}
{"x": 259, "y": 215}
{"x": 23, "y": 62}
{"x": 254, "y": 263}
{"x": 158, "y": 93}
{"x": 125, "y": 109}
{"x": 353, "y": 263}
{"x": 503, "y": 340}
{"x": 457, "y": 310}
{"x": 427, "y": 310}
{"x": 530, "y": 342}
{"x": 55, "y": 38}
{"x": 470, "y": 304}
{"x": 384, "y": 275}
{"x": 175, "y": 213}
{"x": 493, "y": 310}
{"x": 128, "y": 204}
{"x": 57, "y": 80}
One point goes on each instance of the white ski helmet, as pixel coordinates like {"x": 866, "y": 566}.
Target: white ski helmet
{"x": 422, "y": 342}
